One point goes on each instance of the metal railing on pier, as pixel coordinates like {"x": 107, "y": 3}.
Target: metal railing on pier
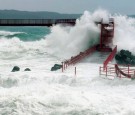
{"x": 35, "y": 22}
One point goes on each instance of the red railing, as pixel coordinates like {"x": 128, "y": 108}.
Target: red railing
{"x": 110, "y": 57}
{"x": 119, "y": 71}
{"x": 108, "y": 71}
{"x": 125, "y": 71}
{"x": 77, "y": 58}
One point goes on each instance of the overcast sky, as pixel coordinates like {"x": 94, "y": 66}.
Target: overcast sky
{"x": 70, "y": 6}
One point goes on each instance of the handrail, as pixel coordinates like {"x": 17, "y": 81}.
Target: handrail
{"x": 110, "y": 57}
{"x": 118, "y": 70}
{"x": 114, "y": 70}
{"x": 75, "y": 59}
{"x": 35, "y": 22}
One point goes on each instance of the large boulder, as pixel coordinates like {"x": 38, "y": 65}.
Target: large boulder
{"x": 125, "y": 57}
{"x": 15, "y": 68}
{"x": 56, "y": 67}
{"x": 27, "y": 69}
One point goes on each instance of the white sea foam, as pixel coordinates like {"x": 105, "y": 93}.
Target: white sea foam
{"x": 42, "y": 92}
{"x": 68, "y": 41}
{"x": 124, "y": 32}
{"x": 7, "y": 33}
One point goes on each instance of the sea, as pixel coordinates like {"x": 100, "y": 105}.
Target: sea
{"x": 45, "y": 92}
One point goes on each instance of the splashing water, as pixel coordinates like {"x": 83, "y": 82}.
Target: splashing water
{"x": 68, "y": 41}
{"x": 42, "y": 92}
{"x": 124, "y": 36}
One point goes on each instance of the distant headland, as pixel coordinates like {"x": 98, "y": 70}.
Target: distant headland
{"x": 15, "y": 14}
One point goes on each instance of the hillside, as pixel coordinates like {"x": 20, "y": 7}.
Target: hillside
{"x": 14, "y": 14}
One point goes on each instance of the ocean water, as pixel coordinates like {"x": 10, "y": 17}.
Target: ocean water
{"x": 43, "y": 92}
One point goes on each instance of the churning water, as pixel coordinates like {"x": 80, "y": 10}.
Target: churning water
{"x": 42, "y": 92}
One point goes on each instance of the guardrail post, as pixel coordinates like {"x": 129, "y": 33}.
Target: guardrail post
{"x": 128, "y": 70}
{"x": 75, "y": 71}
{"x": 106, "y": 71}
{"x": 120, "y": 75}
{"x": 62, "y": 66}
{"x": 66, "y": 65}
{"x": 100, "y": 70}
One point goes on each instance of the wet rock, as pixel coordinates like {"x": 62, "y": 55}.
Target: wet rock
{"x": 15, "y": 68}
{"x": 125, "y": 57}
{"x": 27, "y": 69}
{"x": 56, "y": 67}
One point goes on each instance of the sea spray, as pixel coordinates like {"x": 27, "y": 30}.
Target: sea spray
{"x": 68, "y": 41}
{"x": 124, "y": 33}
{"x": 15, "y": 48}
{"x": 41, "y": 92}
